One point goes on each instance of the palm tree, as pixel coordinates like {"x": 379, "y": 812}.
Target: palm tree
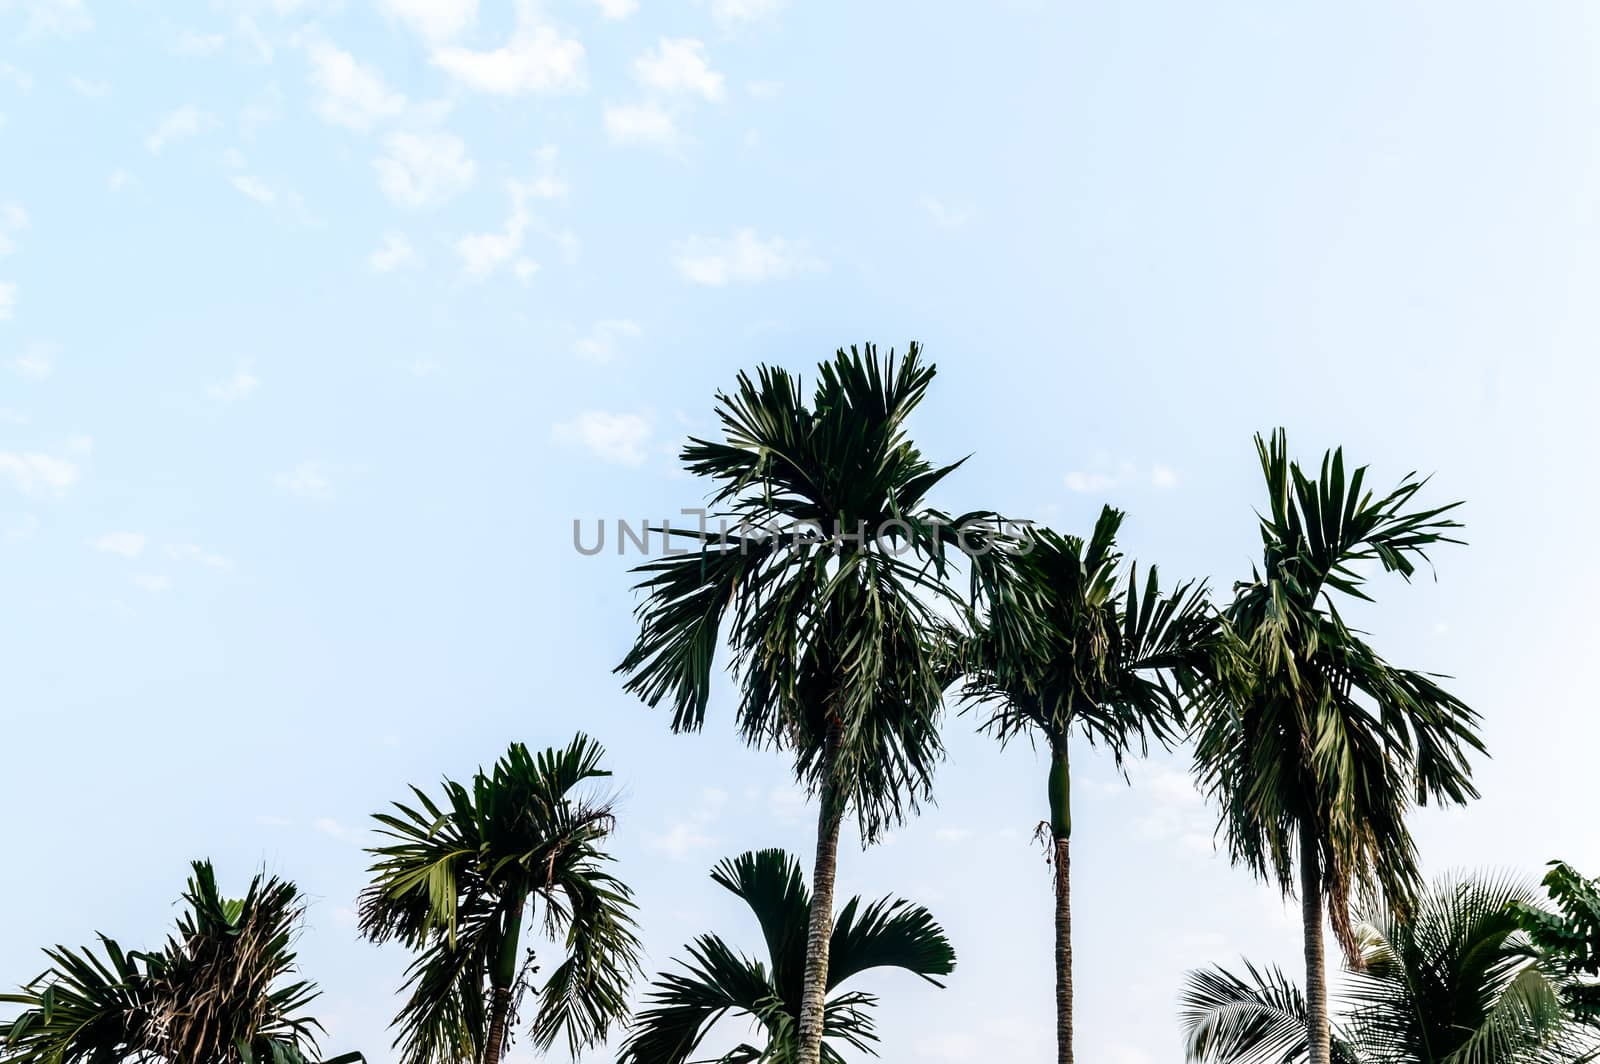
{"x": 1451, "y": 980}
{"x": 462, "y": 877}
{"x": 215, "y": 994}
{"x": 1317, "y": 747}
{"x": 720, "y": 982}
{"x": 1569, "y": 937}
{"x": 836, "y": 632}
{"x": 1065, "y": 650}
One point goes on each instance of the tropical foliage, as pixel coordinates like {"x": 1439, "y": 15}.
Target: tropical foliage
{"x": 1450, "y": 980}
{"x": 221, "y": 991}
{"x": 462, "y": 876}
{"x": 1316, "y": 748}
{"x": 1569, "y": 937}
{"x": 718, "y": 981}
{"x": 1070, "y": 648}
{"x": 827, "y": 585}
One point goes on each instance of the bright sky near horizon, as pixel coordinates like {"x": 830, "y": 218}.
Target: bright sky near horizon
{"x": 321, "y": 321}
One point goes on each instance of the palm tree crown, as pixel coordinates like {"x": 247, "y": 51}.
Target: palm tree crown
{"x": 1319, "y": 746}
{"x": 215, "y": 994}
{"x": 718, "y": 981}
{"x": 456, "y": 882}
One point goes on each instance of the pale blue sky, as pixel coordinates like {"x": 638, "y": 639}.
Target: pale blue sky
{"x": 321, "y": 321}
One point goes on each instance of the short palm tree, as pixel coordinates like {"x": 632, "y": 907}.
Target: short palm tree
{"x": 220, "y": 992}
{"x": 718, "y": 982}
{"x": 835, "y": 626}
{"x": 1569, "y": 936}
{"x": 1449, "y": 981}
{"x": 1067, "y": 649}
{"x": 461, "y": 878}
{"x": 1317, "y": 747}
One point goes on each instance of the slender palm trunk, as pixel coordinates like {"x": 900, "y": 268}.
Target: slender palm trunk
{"x": 1316, "y": 968}
{"x": 501, "y": 977}
{"x": 1061, "y": 835}
{"x": 819, "y": 936}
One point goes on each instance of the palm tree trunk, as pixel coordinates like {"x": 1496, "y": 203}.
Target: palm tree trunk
{"x": 501, "y": 977}
{"x": 819, "y": 935}
{"x": 1316, "y": 969}
{"x": 1061, "y": 833}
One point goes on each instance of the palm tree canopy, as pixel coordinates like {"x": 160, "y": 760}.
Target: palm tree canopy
{"x": 1451, "y": 980}
{"x": 1317, "y": 729}
{"x": 219, "y": 992}
{"x": 826, "y": 580}
{"x": 1066, "y": 645}
{"x": 718, "y": 981}
{"x": 460, "y": 870}
{"x": 1569, "y": 937}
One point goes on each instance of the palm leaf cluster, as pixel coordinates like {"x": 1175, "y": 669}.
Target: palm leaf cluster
{"x": 1570, "y": 935}
{"x": 1317, "y": 747}
{"x": 221, "y": 991}
{"x": 825, "y": 576}
{"x": 456, "y": 882}
{"x": 1449, "y": 981}
{"x": 718, "y": 981}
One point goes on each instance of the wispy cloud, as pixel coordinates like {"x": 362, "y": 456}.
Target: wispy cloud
{"x": 40, "y": 472}
{"x": 308, "y": 480}
{"x": 193, "y": 552}
{"x": 482, "y": 254}
{"x": 36, "y": 362}
{"x": 616, "y": 9}
{"x": 254, "y": 188}
{"x": 423, "y": 168}
{"x": 122, "y": 544}
{"x": 155, "y": 583}
{"x": 646, "y": 123}
{"x": 394, "y": 253}
{"x": 350, "y": 93}
{"x": 8, "y": 299}
{"x": 678, "y": 66}
{"x": 241, "y": 385}
{"x": 184, "y": 122}
{"x": 433, "y": 20}
{"x": 743, "y": 258}
{"x": 602, "y": 341}
{"x": 617, "y": 438}
{"x": 13, "y": 220}
{"x": 944, "y": 215}
{"x": 538, "y": 59}
{"x": 1105, "y": 476}
{"x": 745, "y": 11}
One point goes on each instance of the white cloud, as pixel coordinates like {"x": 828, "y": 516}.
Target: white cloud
{"x": 123, "y": 544}
{"x": 17, "y": 76}
{"x": 309, "y": 480}
{"x": 335, "y": 830}
{"x": 35, "y": 472}
{"x": 744, "y": 258}
{"x": 642, "y": 123}
{"x": 484, "y": 253}
{"x": 1107, "y": 476}
{"x": 187, "y": 121}
{"x": 56, "y": 17}
{"x": 92, "y": 90}
{"x": 241, "y": 385}
{"x": 944, "y": 215}
{"x": 952, "y": 835}
{"x": 433, "y": 20}
{"x": 351, "y": 94}
{"x": 678, "y": 66}
{"x": 254, "y": 188}
{"x": 691, "y": 835}
{"x": 36, "y": 362}
{"x": 118, "y": 180}
{"x": 601, "y": 343}
{"x": 618, "y": 438}
{"x": 423, "y": 168}
{"x": 395, "y": 253}
{"x": 616, "y": 9}
{"x": 745, "y": 10}
{"x": 8, "y": 299}
{"x": 152, "y": 582}
{"x": 190, "y": 42}
{"x": 192, "y": 552}
{"x": 537, "y": 59}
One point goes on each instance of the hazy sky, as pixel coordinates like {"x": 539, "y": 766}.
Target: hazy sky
{"x": 320, "y": 323}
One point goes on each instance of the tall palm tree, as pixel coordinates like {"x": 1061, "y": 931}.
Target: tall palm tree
{"x": 1451, "y": 980}
{"x": 1317, "y": 747}
{"x": 719, "y": 982}
{"x": 464, "y": 875}
{"x": 1067, "y": 649}
{"x": 217, "y": 993}
{"x": 835, "y": 628}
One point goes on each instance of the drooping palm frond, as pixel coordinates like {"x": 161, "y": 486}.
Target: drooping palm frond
{"x": 717, "y": 982}
{"x": 1312, "y": 733}
{"x": 454, "y": 882}
{"x": 221, "y": 991}
{"x": 1256, "y": 1018}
